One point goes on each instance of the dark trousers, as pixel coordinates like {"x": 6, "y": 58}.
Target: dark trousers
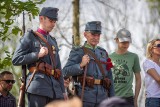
{"x": 130, "y": 100}
{"x": 87, "y": 104}
{"x": 152, "y": 102}
{"x": 37, "y": 100}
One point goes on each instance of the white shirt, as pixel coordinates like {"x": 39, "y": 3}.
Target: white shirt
{"x": 152, "y": 87}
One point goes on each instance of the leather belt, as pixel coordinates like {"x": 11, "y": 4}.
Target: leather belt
{"x": 97, "y": 81}
{"x": 32, "y": 69}
{"x": 47, "y": 69}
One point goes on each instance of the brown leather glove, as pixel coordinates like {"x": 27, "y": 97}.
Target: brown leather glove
{"x": 57, "y": 74}
{"x": 106, "y": 83}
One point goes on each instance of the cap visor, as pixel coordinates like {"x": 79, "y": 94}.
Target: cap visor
{"x": 51, "y": 18}
{"x": 125, "y": 40}
{"x": 95, "y": 32}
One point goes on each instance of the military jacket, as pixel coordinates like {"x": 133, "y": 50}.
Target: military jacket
{"x": 72, "y": 68}
{"x": 26, "y": 53}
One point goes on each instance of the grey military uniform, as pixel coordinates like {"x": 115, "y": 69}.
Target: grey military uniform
{"x": 72, "y": 68}
{"x": 27, "y": 54}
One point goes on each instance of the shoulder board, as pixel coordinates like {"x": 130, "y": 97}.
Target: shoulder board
{"x": 101, "y": 48}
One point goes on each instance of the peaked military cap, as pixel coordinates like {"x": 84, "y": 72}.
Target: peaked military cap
{"x": 50, "y": 12}
{"x": 93, "y": 26}
{"x": 124, "y": 35}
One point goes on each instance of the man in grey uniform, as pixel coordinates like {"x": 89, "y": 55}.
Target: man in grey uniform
{"x": 33, "y": 52}
{"x": 95, "y": 85}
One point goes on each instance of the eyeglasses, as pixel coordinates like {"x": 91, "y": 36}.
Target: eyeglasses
{"x": 158, "y": 46}
{"x": 9, "y": 81}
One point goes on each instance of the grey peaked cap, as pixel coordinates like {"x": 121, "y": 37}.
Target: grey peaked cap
{"x": 50, "y": 12}
{"x": 124, "y": 35}
{"x": 93, "y": 26}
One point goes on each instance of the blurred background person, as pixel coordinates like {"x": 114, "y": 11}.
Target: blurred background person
{"x": 6, "y": 83}
{"x": 115, "y": 102}
{"x": 73, "y": 102}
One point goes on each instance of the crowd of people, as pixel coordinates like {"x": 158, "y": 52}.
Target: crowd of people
{"x": 90, "y": 78}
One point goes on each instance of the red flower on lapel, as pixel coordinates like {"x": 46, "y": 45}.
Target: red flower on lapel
{"x": 108, "y": 63}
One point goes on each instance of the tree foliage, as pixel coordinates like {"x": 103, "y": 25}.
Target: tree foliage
{"x": 9, "y": 10}
{"x": 154, "y": 4}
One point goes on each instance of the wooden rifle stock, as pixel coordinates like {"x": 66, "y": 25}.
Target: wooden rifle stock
{"x": 21, "y": 99}
{"x": 21, "y": 96}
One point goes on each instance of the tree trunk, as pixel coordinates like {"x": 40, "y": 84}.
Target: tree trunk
{"x": 76, "y": 35}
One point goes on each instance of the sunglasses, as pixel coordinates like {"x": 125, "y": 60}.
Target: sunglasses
{"x": 9, "y": 81}
{"x": 158, "y": 46}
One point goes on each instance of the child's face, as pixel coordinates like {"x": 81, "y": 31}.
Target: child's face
{"x": 123, "y": 45}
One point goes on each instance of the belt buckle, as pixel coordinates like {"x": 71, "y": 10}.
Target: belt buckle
{"x": 52, "y": 72}
{"x": 97, "y": 81}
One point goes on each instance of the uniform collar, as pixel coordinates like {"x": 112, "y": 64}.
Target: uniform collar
{"x": 42, "y": 31}
{"x": 89, "y": 46}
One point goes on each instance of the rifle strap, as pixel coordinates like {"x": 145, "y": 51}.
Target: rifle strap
{"x": 87, "y": 51}
{"x": 50, "y": 49}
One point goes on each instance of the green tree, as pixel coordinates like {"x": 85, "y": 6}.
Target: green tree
{"x": 9, "y": 10}
{"x": 154, "y": 4}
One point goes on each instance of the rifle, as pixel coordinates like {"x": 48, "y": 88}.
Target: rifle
{"x": 21, "y": 99}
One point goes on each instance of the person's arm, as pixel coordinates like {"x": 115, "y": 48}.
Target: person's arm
{"x": 111, "y": 89}
{"x": 23, "y": 55}
{"x": 137, "y": 87}
{"x": 72, "y": 67}
{"x": 153, "y": 73}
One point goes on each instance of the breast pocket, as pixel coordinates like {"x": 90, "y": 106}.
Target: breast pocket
{"x": 91, "y": 67}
